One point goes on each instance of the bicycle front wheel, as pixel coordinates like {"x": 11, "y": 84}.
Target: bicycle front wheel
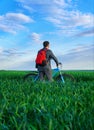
{"x": 31, "y": 77}
{"x": 65, "y": 78}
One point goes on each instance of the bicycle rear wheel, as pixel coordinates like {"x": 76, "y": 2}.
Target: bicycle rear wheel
{"x": 31, "y": 77}
{"x": 65, "y": 78}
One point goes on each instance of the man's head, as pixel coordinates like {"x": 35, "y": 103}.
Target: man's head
{"x": 46, "y": 43}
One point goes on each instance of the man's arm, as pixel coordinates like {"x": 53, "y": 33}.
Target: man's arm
{"x": 54, "y": 57}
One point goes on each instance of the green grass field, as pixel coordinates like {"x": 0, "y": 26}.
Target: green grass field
{"x": 46, "y": 106}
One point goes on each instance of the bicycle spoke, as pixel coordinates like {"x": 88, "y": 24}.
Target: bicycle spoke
{"x": 65, "y": 78}
{"x": 31, "y": 77}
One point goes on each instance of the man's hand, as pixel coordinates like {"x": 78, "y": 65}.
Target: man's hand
{"x": 59, "y": 64}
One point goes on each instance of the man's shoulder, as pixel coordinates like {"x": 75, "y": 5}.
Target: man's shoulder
{"x": 48, "y": 50}
{"x": 40, "y": 50}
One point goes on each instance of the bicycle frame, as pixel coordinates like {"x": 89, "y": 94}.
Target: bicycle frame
{"x": 55, "y": 71}
{"x": 36, "y": 78}
{"x": 58, "y": 70}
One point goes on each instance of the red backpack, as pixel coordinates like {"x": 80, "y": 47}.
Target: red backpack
{"x": 41, "y": 58}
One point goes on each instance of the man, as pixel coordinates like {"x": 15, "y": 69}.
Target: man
{"x": 46, "y": 69}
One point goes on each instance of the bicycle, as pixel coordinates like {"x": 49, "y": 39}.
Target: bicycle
{"x": 57, "y": 75}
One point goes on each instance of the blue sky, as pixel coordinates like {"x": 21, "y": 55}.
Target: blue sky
{"x": 67, "y": 24}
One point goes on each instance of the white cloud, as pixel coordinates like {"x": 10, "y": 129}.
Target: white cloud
{"x": 67, "y": 20}
{"x": 63, "y": 17}
{"x": 12, "y": 22}
{"x": 89, "y": 32}
{"x": 60, "y": 3}
{"x": 84, "y": 20}
{"x": 62, "y": 14}
{"x": 28, "y": 8}
{"x": 80, "y": 48}
{"x": 36, "y": 37}
{"x": 18, "y": 17}
{"x": 16, "y": 59}
{"x": 54, "y": 20}
{"x": 1, "y": 50}
{"x": 81, "y": 57}
{"x": 11, "y": 28}
{"x": 46, "y": 6}
{"x": 45, "y": 2}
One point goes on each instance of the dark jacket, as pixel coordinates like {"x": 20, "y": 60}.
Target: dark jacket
{"x": 50, "y": 55}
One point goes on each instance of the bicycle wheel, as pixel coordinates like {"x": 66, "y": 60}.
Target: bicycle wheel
{"x": 31, "y": 77}
{"x": 65, "y": 78}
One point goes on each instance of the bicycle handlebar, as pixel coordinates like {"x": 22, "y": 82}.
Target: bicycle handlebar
{"x": 59, "y": 66}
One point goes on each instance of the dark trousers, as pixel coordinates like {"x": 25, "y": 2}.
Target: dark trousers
{"x": 45, "y": 70}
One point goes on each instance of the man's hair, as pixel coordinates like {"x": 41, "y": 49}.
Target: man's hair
{"x": 45, "y": 43}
